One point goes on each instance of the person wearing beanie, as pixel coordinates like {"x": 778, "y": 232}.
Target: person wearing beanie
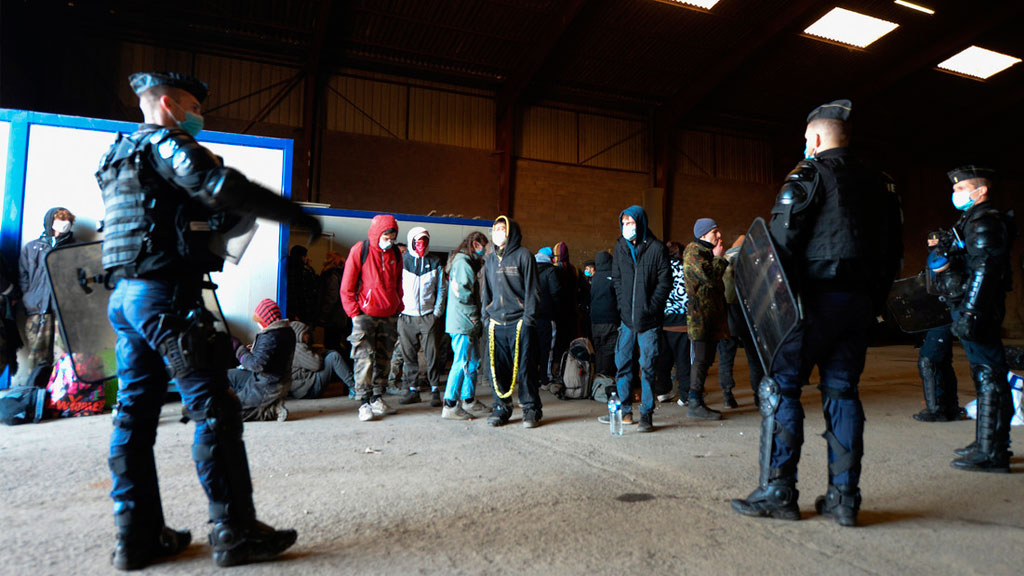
{"x": 371, "y": 293}
{"x": 265, "y": 376}
{"x": 420, "y": 323}
{"x": 706, "y": 320}
{"x": 642, "y": 278}
{"x": 508, "y": 301}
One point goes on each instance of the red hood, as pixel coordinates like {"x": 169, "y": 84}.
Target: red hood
{"x": 379, "y": 224}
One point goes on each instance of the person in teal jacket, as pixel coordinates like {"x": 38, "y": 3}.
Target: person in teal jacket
{"x": 463, "y": 325}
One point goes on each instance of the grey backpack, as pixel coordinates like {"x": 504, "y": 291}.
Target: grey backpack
{"x": 577, "y": 370}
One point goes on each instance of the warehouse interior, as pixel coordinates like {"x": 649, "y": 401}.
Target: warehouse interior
{"x": 559, "y": 113}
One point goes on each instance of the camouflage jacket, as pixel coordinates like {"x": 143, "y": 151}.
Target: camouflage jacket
{"x": 707, "y": 317}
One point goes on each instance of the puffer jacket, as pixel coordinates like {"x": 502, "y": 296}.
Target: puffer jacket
{"x": 641, "y": 274}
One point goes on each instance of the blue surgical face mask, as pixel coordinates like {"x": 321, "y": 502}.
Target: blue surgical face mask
{"x": 481, "y": 252}
{"x": 193, "y": 123}
{"x": 962, "y": 199}
{"x": 384, "y": 243}
{"x": 588, "y": 273}
{"x": 807, "y": 152}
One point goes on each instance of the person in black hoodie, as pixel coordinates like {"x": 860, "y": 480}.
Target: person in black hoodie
{"x": 642, "y": 277}
{"x": 549, "y": 305}
{"x": 508, "y": 302}
{"x": 35, "y": 288}
{"x": 604, "y": 314}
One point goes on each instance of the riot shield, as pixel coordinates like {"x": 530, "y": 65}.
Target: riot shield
{"x": 77, "y": 280}
{"x": 764, "y": 294}
{"x": 81, "y": 295}
{"x": 913, "y": 308}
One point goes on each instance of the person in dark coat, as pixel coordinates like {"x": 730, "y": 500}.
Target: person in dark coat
{"x": 566, "y": 314}
{"x": 549, "y": 305}
{"x": 604, "y": 314}
{"x": 643, "y": 278}
{"x": 337, "y": 325}
{"x": 262, "y": 382}
{"x": 40, "y": 339}
{"x": 303, "y": 285}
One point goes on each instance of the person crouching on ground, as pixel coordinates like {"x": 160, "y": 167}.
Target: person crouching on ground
{"x": 313, "y": 372}
{"x": 262, "y": 382}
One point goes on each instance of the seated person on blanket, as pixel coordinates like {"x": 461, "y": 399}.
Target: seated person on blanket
{"x": 312, "y": 371}
{"x": 266, "y": 373}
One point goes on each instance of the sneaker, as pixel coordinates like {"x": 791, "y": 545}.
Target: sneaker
{"x": 411, "y": 397}
{"x": 133, "y": 557}
{"x": 496, "y": 420}
{"x": 380, "y": 408}
{"x": 698, "y": 409}
{"x": 234, "y": 545}
{"x": 435, "y": 398}
{"x": 627, "y": 419}
{"x": 366, "y": 413}
{"x": 666, "y": 397}
{"x": 729, "y": 400}
{"x": 455, "y": 413}
{"x": 683, "y": 402}
{"x": 531, "y": 419}
{"x": 646, "y": 423}
{"x": 477, "y": 408}
{"x": 282, "y": 413}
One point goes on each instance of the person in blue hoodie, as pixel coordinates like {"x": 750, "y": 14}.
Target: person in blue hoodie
{"x": 642, "y": 276}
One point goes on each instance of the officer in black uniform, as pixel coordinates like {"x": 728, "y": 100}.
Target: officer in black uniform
{"x": 978, "y": 294}
{"x": 837, "y": 227}
{"x": 165, "y": 196}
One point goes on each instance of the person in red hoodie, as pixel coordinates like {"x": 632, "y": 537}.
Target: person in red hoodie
{"x": 371, "y": 293}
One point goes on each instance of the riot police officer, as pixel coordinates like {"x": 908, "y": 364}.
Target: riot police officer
{"x": 935, "y": 362}
{"x": 836, "y": 226}
{"x": 165, "y": 196}
{"x": 978, "y": 293}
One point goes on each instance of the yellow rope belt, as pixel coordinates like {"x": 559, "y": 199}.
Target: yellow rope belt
{"x": 515, "y": 362}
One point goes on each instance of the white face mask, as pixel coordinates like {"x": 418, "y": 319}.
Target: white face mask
{"x": 499, "y": 237}
{"x": 962, "y": 199}
{"x": 384, "y": 243}
{"x": 629, "y": 231}
{"x": 61, "y": 226}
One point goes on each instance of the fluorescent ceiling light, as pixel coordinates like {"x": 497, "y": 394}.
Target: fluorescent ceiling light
{"x": 978, "y": 62}
{"x": 705, "y": 4}
{"x": 915, "y": 7}
{"x": 848, "y": 27}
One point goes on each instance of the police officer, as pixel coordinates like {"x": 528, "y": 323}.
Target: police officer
{"x": 985, "y": 239}
{"x": 165, "y": 195}
{"x": 836, "y": 226}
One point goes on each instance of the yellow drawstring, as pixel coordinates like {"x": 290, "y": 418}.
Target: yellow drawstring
{"x": 515, "y": 362}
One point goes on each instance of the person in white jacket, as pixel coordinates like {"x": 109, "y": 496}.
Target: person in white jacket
{"x": 419, "y": 324}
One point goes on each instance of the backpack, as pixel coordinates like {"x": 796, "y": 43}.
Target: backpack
{"x": 70, "y": 395}
{"x": 603, "y": 385}
{"x": 577, "y": 370}
{"x": 22, "y": 404}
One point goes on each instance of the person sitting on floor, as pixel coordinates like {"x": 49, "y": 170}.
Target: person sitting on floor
{"x": 313, "y": 371}
{"x": 266, "y": 373}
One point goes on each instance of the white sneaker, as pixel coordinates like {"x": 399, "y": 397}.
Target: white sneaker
{"x": 666, "y": 397}
{"x": 476, "y": 408}
{"x": 366, "y": 413}
{"x": 683, "y": 402}
{"x": 380, "y": 408}
{"x": 455, "y": 413}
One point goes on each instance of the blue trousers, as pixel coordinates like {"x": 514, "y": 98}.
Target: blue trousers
{"x": 465, "y": 363}
{"x": 134, "y": 311}
{"x": 832, "y": 336}
{"x": 625, "y": 351}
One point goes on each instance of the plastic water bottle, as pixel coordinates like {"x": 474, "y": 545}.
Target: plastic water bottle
{"x": 615, "y": 414}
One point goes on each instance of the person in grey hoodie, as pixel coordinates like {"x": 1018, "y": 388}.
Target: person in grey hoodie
{"x": 508, "y": 296}
{"x": 312, "y": 372}
{"x": 419, "y": 323}
{"x": 463, "y": 325}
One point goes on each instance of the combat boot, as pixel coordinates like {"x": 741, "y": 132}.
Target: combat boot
{"x": 134, "y": 554}
{"x": 776, "y": 500}
{"x": 698, "y": 409}
{"x": 840, "y": 503}
{"x": 235, "y": 544}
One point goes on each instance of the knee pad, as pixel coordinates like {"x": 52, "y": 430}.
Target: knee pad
{"x": 221, "y": 414}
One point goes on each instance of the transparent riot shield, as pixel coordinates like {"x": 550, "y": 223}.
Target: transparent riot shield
{"x": 913, "y": 308}
{"x": 764, "y": 294}
{"x": 81, "y": 296}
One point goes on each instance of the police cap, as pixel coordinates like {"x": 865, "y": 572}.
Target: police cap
{"x": 142, "y": 81}
{"x": 838, "y": 110}
{"x": 970, "y": 171}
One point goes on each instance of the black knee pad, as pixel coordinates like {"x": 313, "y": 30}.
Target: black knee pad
{"x": 222, "y": 415}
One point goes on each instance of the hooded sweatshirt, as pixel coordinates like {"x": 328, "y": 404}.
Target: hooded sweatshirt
{"x": 463, "y": 315}
{"x": 549, "y": 300}
{"x": 641, "y": 274}
{"x": 305, "y": 364}
{"x": 34, "y": 285}
{"x": 373, "y": 287}
{"x": 604, "y": 308}
{"x": 509, "y": 288}
{"x": 422, "y": 279}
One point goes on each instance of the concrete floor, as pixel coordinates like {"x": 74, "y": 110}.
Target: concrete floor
{"x": 415, "y": 494}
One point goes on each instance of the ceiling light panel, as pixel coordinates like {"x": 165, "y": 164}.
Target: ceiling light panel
{"x": 978, "y": 62}
{"x": 850, "y": 28}
{"x": 913, "y": 6}
{"x": 705, "y": 4}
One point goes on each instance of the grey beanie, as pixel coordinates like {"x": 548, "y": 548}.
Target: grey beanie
{"x": 703, "y": 226}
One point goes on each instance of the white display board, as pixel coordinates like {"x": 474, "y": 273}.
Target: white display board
{"x": 60, "y": 171}
{"x": 5, "y": 138}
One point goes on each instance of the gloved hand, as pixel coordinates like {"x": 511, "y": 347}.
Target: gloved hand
{"x": 966, "y": 326}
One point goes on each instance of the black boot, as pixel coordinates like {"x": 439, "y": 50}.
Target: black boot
{"x": 841, "y": 503}
{"x": 776, "y": 500}
{"x": 411, "y": 397}
{"x": 142, "y": 540}
{"x": 435, "y": 398}
{"x": 728, "y": 400}
{"x": 244, "y": 543}
{"x": 966, "y": 449}
{"x": 698, "y": 409}
{"x": 995, "y": 405}
{"x": 929, "y": 383}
